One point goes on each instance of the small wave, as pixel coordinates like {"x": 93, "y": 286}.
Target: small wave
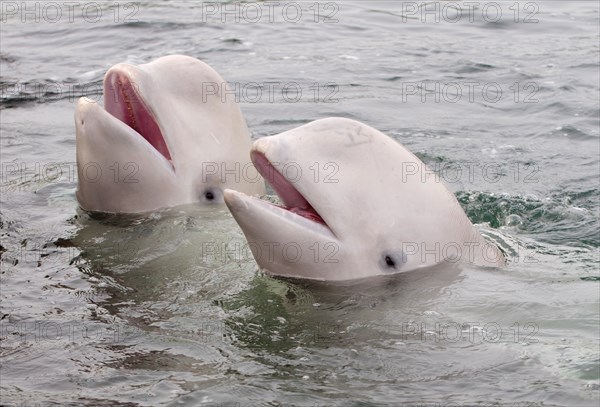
{"x": 566, "y": 218}
{"x": 9, "y": 59}
{"x": 473, "y": 67}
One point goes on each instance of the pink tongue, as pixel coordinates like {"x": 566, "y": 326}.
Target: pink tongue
{"x": 122, "y": 101}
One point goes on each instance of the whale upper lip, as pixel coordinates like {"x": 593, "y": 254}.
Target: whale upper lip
{"x": 123, "y": 101}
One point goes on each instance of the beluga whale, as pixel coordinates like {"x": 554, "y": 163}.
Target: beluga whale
{"x": 354, "y": 204}
{"x": 170, "y": 133}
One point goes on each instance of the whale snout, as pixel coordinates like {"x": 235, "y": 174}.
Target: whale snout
{"x": 234, "y": 200}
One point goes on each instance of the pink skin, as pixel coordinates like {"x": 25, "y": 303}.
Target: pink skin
{"x": 123, "y": 102}
{"x": 292, "y": 199}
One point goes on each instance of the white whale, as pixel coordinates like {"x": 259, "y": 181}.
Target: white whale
{"x": 356, "y": 204}
{"x": 170, "y": 134}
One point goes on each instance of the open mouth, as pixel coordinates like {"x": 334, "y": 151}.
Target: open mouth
{"x": 122, "y": 101}
{"x": 292, "y": 199}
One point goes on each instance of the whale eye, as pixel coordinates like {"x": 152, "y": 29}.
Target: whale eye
{"x": 392, "y": 261}
{"x": 210, "y": 195}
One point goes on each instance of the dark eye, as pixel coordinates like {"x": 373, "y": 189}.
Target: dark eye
{"x": 390, "y": 262}
{"x": 209, "y": 195}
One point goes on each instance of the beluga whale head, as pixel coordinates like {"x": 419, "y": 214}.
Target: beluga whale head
{"x": 354, "y": 204}
{"x": 170, "y": 133}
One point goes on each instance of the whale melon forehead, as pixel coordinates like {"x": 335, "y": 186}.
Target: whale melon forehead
{"x": 340, "y": 141}
{"x": 185, "y": 77}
